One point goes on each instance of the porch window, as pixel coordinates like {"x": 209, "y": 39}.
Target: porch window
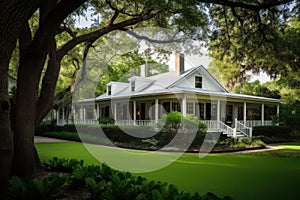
{"x": 198, "y": 81}
{"x": 132, "y": 86}
{"x": 176, "y": 106}
{"x": 201, "y": 110}
{"x": 190, "y": 107}
{"x": 109, "y": 90}
{"x": 214, "y": 109}
{"x": 89, "y": 112}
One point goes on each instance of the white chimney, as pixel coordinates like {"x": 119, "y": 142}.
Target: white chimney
{"x": 144, "y": 70}
{"x": 179, "y": 63}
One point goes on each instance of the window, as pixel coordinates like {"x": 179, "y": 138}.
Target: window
{"x": 90, "y": 112}
{"x": 190, "y": 107}
{"x": 201, "y": 110}
{"x": 132, "y": 86}
{"x": 109, "y": 90}
{"x": 198, "y": 82}
{"x": 214, "y": 109}
{"x": 176, "y": 106}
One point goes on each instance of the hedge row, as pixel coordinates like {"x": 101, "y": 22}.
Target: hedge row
{"x": 118, "y": 135}
{"x": 272, "y": 131}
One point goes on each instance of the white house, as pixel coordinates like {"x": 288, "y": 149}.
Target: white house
{"x": 195, "y": 91}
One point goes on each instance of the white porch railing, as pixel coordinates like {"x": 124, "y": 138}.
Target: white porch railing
{"x": 227, "y": 129}
{"x": 62, "y": 122}
{"x": 252, "y": 123}
{"x": 214, "y": 125}
{"x": 135, "y": 123}
{"x": 245, "y": 130}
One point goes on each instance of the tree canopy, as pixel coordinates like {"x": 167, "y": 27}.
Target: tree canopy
{"x": 256, "y": 34}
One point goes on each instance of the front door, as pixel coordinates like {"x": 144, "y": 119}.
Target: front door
{"x": 229, "y": 118}
{"x": 208, "y": 111}
{"x": 143, "y": 111}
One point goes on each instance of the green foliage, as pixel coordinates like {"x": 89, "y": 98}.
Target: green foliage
{"x": 174, "y": 122}
{"x": 290, "y": 115}
{"x": 106, "y": 120}
{"x": 272, "y": 131}
{"x": 45, "y": 188}
{"x": 230, "y": 144}
{"x": 62, "y": 164}
{"x": 80, "y": 173}
{"x": 104, "y": 182}
{"x": 256, "y": 89}
{"x": 94, "y": 188}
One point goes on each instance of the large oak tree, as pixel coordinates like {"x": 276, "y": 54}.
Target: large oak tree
{"x": 40, "y": 55}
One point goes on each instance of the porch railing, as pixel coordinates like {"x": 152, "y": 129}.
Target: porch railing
{"x": 135, "y": 123}
{"x": 252, "y": 123}
{"x": 245, "y": 130}
{"x": 62, "y": 122}
{"x": 214, "y": 125}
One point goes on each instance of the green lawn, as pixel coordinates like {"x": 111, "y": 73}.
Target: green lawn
{"x": 260, "y": 176}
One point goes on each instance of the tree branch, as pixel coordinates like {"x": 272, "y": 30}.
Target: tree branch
{"x": 248, "y": 6}
{"x": 141, "y": 37}
{"x": 100, "y": 32}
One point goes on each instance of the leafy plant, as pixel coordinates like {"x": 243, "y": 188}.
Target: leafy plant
{"x": 106, "y": 120}
{"x": 80, "y": 173}
{"x": 62, "y": 164}
{"x": 46, "y": 188}
{"x": 95, "y": 188}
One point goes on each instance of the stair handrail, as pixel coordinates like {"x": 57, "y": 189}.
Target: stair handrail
{"x": 228, "y": 130}
{"x": 245, "y": 130}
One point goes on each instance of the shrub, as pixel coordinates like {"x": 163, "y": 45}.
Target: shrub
{"x": 80, "y": 173}
{"x": 46, "y": 188}
{"x": 272, "y": 131}
{"x": 62, "y": 164}
{"x": 106, "y": 120}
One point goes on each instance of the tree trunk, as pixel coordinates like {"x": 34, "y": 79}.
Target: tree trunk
{"x": 11, "y": 21}
{"x": 6, "y": 136}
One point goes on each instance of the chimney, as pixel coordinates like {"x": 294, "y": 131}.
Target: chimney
{"x": 179, "y": 63}
{"x": 144, "y": 70}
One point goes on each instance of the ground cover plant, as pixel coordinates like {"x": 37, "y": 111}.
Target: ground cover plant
{"x": 100, "y": 181}
{"x": 240, "y": 176}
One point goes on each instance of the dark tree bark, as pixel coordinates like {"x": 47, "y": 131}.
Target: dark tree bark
{"x": 13, "y": 14}
{"x": 29, "y": 73}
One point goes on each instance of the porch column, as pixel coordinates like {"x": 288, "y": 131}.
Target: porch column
{"x": 63, "y": 113}
{"x": 74, "y": 114}
{"x": 84, "y": 113}
{"x": 134, "y": 112}
{"x": 184, "y": 105}
{"x": 204, "y": 111}
{"x": 115, "y": 111}
{"x": 97, "y": 111}
{"x": 218, "y": 110}
{"x": 57, "y": 116}
{"x": 81, "y": 113}
{"x": 156, "y": 110}
{"x": 245, "y": 113}
{"x": 262, "y": 114}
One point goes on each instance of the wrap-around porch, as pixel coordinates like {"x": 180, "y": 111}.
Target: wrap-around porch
{"x": 214, "y": 112}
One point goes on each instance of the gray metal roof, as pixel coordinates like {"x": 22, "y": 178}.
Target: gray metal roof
{"x": 164, "y": 84}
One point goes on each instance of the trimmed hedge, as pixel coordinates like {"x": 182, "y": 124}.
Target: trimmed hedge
{"x": 272, "y": 131}
{"x": 92, "y": 134}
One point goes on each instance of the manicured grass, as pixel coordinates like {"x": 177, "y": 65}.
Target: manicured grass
{"x": 241, "y": 176}
{"x": 290, "y": 150}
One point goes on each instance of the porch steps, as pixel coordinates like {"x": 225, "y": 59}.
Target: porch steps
{"x": 239, "y": 135}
